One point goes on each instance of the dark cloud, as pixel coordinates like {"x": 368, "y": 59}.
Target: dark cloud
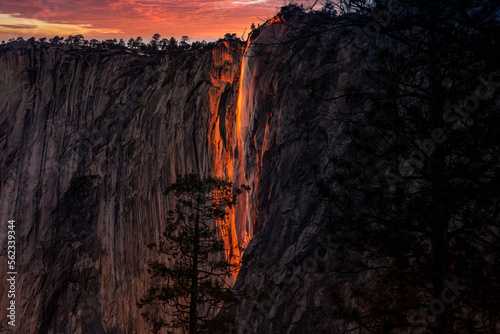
{"x": 18, "y": 26}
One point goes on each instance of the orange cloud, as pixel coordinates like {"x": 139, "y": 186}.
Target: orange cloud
{"x": 199, "y": 19}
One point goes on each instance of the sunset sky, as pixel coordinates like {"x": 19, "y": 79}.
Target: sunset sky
{"x": 102, "y": 19}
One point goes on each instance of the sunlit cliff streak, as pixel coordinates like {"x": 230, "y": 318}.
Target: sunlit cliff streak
{"x": 240, "y": 159}
{"x": 227, "y": 156}
{"x": 245, "y": 232}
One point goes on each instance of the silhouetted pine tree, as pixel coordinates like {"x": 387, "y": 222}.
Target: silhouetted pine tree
{"x": 191, "y": 287}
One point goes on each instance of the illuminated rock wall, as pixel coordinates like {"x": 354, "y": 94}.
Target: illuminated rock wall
{"x": 89, "y": 141}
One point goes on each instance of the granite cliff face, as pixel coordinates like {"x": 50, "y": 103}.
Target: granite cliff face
{"x": 89, "y": 140}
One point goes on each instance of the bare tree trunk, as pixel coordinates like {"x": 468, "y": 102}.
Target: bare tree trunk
{"x": 194, "y": 279}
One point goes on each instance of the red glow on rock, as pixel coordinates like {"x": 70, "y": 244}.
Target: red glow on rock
{"x": 227, "y": 152}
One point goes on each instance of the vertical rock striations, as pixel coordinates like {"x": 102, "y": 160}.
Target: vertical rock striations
{"x": 90, "y": 138}
{"x": 89, "y": 141}
{"x": 289, "y": 123}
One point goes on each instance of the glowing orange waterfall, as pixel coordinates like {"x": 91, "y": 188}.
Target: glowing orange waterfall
{"x": 239, "y": 216}
{"x": 227, "y": 157}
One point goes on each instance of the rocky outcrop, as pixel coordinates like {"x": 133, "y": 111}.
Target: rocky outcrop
{"x": 90, "y": 139}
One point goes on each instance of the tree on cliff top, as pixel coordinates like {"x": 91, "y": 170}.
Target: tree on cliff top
{"x": 155, "y": 41}
{"x": 183, "y": 44}
{"x": 230, "y": 36}
{"x": 415, "y": 193}
{"x": 191, "y": 287}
